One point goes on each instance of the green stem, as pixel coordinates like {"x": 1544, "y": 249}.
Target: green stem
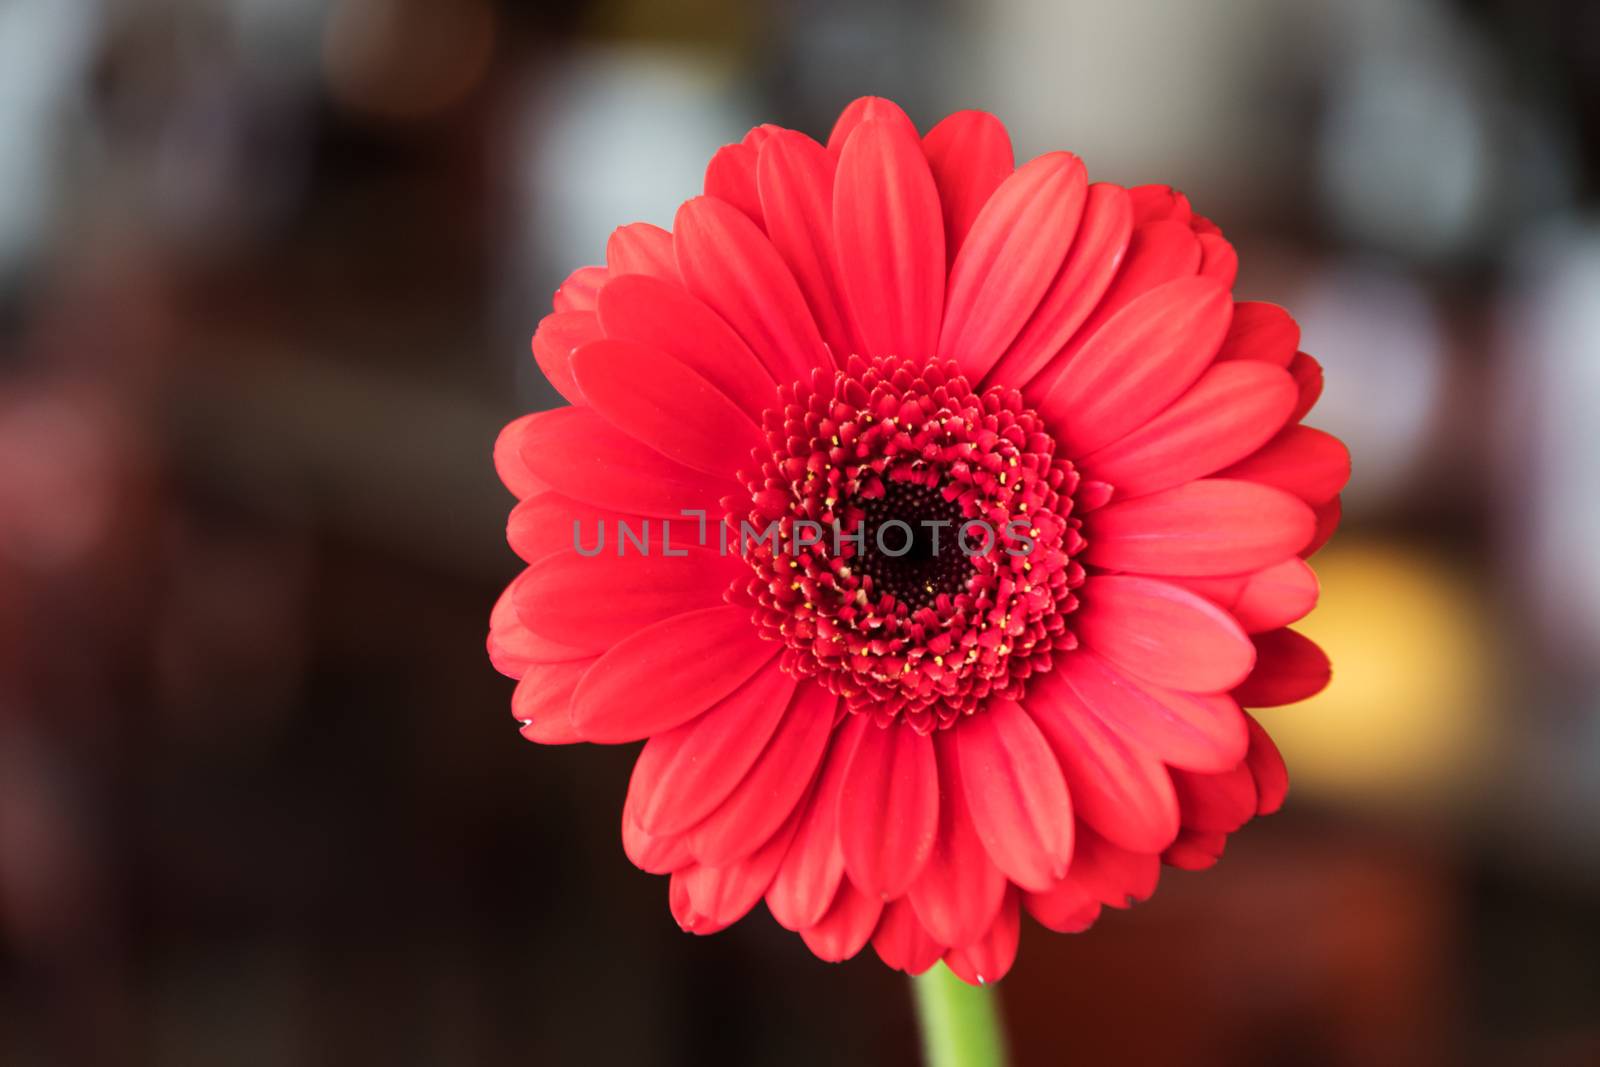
{"x": 960, "y": 1023}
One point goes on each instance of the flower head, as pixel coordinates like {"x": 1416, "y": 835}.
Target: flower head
{"x": 931, "y": 519}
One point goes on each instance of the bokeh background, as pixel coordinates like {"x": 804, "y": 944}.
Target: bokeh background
{"x": 268, "y": 270}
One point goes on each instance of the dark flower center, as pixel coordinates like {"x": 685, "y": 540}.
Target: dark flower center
{"x": 922, "y": 542}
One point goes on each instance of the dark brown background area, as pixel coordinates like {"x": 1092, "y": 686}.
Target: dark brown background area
{"x": 267, "y": 277}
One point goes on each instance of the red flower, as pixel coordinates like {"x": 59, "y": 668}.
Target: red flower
{"x": 900, "y": 337}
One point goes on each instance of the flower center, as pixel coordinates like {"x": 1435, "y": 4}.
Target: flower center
{"x": 911, "y": 540}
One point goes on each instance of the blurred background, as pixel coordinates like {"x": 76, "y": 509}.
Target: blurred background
{"x": 268, "y": 270}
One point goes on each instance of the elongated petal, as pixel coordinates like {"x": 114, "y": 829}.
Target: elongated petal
{"x": 684, "y": 774}
{"x": 508, "y": 462}
{"x": 989, "y": 958}
{"x": 659, "y": 401}
{"x": 547, "y": 523}
{"x": 1117, "y": 787}
{"x": 1328, "y": 515}
{"x": 1065, "y": 907}
{"x": 1202, "y": 732}
{"x": 1216, "y": 802}
{"x": 1311, "y": 464}
{"x": 1140, "y": 361}
{"x": 1262, "y": 600}
{"x": 1017, "y": 794}
{"x": 1261, "y": 331}
{"x": 724, "y": 895}
{"x": 558, "y": 336}
{"x": 1218, "y": 260}
{"x": 1233, "y": 410}
{"x": 731, "y": 177}
{"x": 970, "y": 155}
{"x": 901, "y": 941}
{"x": 960, "y": 889}
{"x": 889, "y": 809}
{"x": 810, "y": 874}
{"x": 542, "y": 702}
{"x": 593, "y": 603}
{"x": 1159, "y": 203}
{"x": 1163, "y": 634}
{"x": 665, "y": 317}
{"x": 686, "y": 664}
{"x": 795, "y": 179}
{"x": 1091, "y": 263}
{"x": 1212, "y": 526}
{"x": 1266, "y": 767}
{"x": 730, "y": 265}
{"x": 576, "y": 452}
{"x": 1111, "y": 874}
{"x": 1290, "y": 667}
{"x": 1017, "y": 244}
{"x": 844, "y": 930}
{"x": 776, "y": 784}
{"x": 1307, "y": 375}
{"x": 890, "y": 239}
{"x": 864, "y": 109}
{"x": 577, "y": 293}
{"x": 641, "y": 248}
{"x": 513, "y": 648}
{"x": 657, "y": 855}
{"x": 1157, "y": 253}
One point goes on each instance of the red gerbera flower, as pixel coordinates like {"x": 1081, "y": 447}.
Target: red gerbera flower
{"x": 902, "y": 337}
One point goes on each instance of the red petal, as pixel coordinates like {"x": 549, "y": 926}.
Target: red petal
{"x": 863, "y": 109}
{"x": 665, "y": 317}
{"x": 1218, "y": 260}
{"x": 1307, "y": 374}
{"x": 889, "y": 809}
{"x": 731, "y": 176}
{"x": 558, "y": 336}
{"x": 1266, "y": 767}
{"x": 1118, "y": 788}
{"x": 1232, "y": 410}
{"x": 1017, "y": 794}
{"x": 1290, "y": 667}
{"x": 1193, "y": 730}
{"x": 989, "y": 958}
{"x": 1157, "y": 253}
{"x": 655, "y": 399}
{"x": 1195, "y": 850}
{"x": 723, "y": 895}
{"x": 1091, "y": 263}
{"x": 970, "y": 155}
{"x": 687, "y": 663}
{"x": 542, "y": 702}
{"x": 810, "y": 873}
{"x": 1311, "y": 464}
{"x": 1016, "y": 246}
{"x": 1137, "y": 363}
{"x": 684, "y": 774}
{"x": 1163, "y": 634}
{"x": 1328, "y": 516}
{"x": 1065, "y": 907}
{"x": 1261, "y": 331}
{"x": 1113, "y": 875}
{"x": 902, "y": 943}
{"x": 548, "y": 522}
{"x": 729, "y": 264}
{"x": 513, "y": 648}
{"x": 776, "y": 784}
{"x": 595, "y": 602}
{"x": 1216, "y": 802}
{"x": 658, "y": 855}
{"x": 890, "y": 239}
{"x": 508, "y": 462}
{"x": 577, "y": 293}
{"x": 1266, "y": 599}
{"x": 1158, "y": 203}
{"x": 795, "y": 177}
{"x": 1212, "y": 526}
{"x": 960, "y": 889}
{"x": 844, "y": 930}
{"x": 641, "y": 248}
{"x": 576, "y": 452}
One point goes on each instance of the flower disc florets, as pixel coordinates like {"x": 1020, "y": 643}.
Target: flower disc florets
{"x": 912, "y": 540}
